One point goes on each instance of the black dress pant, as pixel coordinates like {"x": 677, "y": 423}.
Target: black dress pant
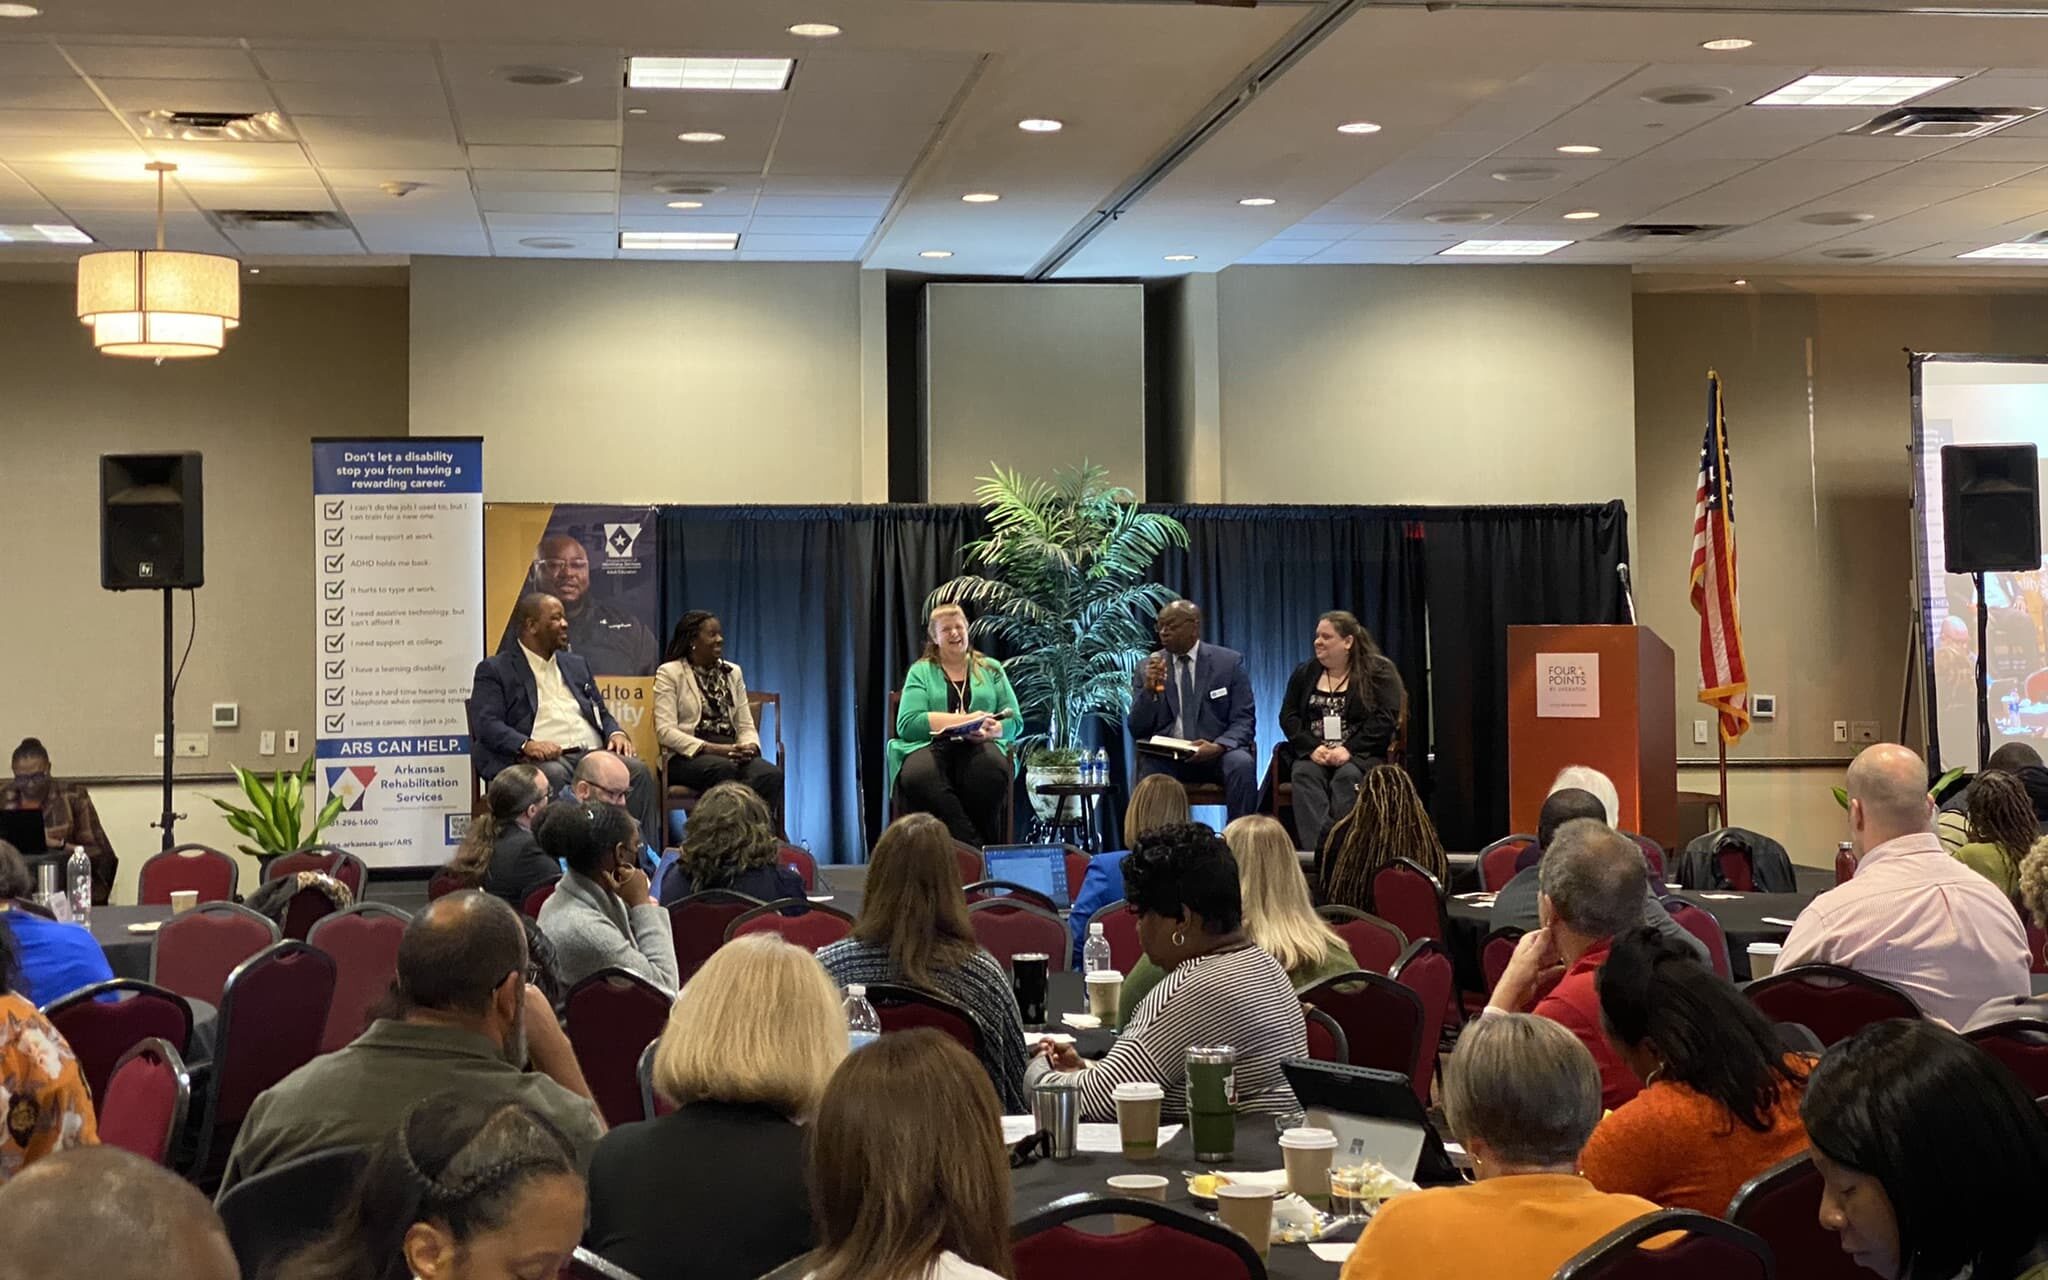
{"x": 962, "y": 784}
{"x": 704, "y": 771}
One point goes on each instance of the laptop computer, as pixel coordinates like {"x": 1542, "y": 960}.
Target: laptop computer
{"x": 1035, "y": 866}
{"x": 23, "y": 828}
{"x": 1375, "y": 1116}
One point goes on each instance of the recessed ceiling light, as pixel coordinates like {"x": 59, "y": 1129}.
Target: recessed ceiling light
{"x": 1726, "y": 44}
{"x": 1851, "y": 91}
{"x": 2010, "y": 249}
{"x": 548, "y": 242}
{"x": 684, "y": 241}
{"x": 537, "y": 77}
{"x": 43, "y": 233}
{"x": 1686, "y": 95}
{"x": 814, "y": 30}
{"x": 700, "y": 135}
{"x": 1583, "y": 215}
{"x": 1503, "y": 248}
{"x": 255, "y": 271}
{"x": 1039, "y": 124}
{"x": 1180, "y": 257}
{"x": 1358, "y": 126}
{"x": 1525, "y": 173}
{"x": 686, "y": 204}
{"x": 1257, "y": 202}
{"x": 1837, "y": 218}
{"x": 1851, "y": 253}
{"x": 981, "y": 197}
{"x": 636, "y": 111}
{"x": 1579, "y": 149}
{"x": 739, "y": 75}
{"x": 18, "y": 11}
{"x": 1457, "y": 217}
{"x": 936, "y": 253}
{"x": 1739, "y": 283}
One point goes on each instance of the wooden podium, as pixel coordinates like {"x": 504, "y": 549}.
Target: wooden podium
{"x": 1599, "y": 696}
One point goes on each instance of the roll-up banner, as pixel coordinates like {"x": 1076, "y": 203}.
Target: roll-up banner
{"x": 399, "y": 553}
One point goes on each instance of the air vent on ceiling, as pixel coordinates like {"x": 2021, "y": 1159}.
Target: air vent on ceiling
{"x": 1665, "y": 231}
{"x": 1943, "y": 122}
{"x": 212, "y": 126}
{"x": 275, "y": 219}
{"x": 688, "y": 187}
{"x": 1686, "y": 95}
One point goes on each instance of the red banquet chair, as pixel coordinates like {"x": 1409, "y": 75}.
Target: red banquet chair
{"x": 273, "y": 1012}
{"x": 1326, "y": 1042}
{"x": 213, "y": 875}
{"x": 1006, "y": 929}
{"x": 813, "y": 926}
{"x": 1425, "y": 969}
{"x": 972, "y": 865}
{"x": 142, "y": 1109}
{"x": 652, "y": 1104}
{"x": 1120, "y": 925}
{"x": 194, "y": 951}
{"x": 1709, "y": 1249}
{"x": 538, "y": 898}
{"x": 326, "y": 859}
{"x": 1497, "y": 860}
{"x": 698, "y": 922}
{"x": 1172, "y": 1242}
{"x": 1411, "y": 899}
{"x": 1375, "y": 944}
{"x": 1832, "y": 1002}
{"x": 907, "y": 1008}
{"x": 1653, "y": 853}
{"x": 445, "y": 882}
{"x": 364, "y": 943}
{"x": 1781, "y": 1207}
{"x": 1704, "y": 925}
{"x": 612, "y": 1016}
{"x": 101, "y": 1032}
{"x": 2022, "y": 1045}
{"x": 1495, "y": 952}
{"x": 1006, "y": 891}
{"x": 1382, "y": 1020}
{"x": 799, "y": 859}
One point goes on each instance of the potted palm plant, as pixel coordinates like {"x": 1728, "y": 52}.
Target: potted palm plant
{"x": 1061, "y": 582}
{"x": 275, "y": 817}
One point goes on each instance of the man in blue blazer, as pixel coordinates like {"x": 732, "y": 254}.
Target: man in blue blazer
{"x": 1199, "y": 692}
{"x": 536, "y": 701}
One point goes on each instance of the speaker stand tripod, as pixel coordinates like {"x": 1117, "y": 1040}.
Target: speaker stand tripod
{"x": 168, "y": 820}
{"x": 1983, "y": 689}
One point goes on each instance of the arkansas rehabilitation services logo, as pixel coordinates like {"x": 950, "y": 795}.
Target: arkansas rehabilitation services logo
{"x": 351, "y": 782}
{"x": 619, "y": 539}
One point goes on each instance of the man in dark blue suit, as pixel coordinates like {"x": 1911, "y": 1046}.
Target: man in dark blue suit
{"x": 536, "y": 701}
{"x": 1201, "y": 693}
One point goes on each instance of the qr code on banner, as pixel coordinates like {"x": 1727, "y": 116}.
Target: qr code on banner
{"x": 457, "y": 825}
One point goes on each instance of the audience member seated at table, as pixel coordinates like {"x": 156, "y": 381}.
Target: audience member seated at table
{"x": 702, "y": 718}
{"x": 949, "y": 755}
{"x": 1911, "y": 916}
{"x": 68, "y": 815}
{"x": 1952, "y": 816}
{"x": 2001, "y": 829}
{"x": 101, "y": 1213}
{"x": 1592, "y": 890}
{"x": 46, "y": 1104}
{"x": 1521, "y": 1094}
{"x": 908, "y": 1176}
{"x": 749, "y": 1046}
{"x": 535, "y": 701}
{"x": 602, "y": 914}
{"x": 1934, "y": 1159}
{"x": 499, "y": 853}
{"x": 1388, "y": 822}
{"x": 51, "y": 959}
{"x": 463, "y": 1017}
{"x": 1720, "y": 1099}
{"x": 1339, "y": 716}
{"x": 1219, "y": 987}
{"x": 1159, "y": 800}
{"x": 731, "y": 844}
{"x": 1222, "y": 721}
{"x": 1514, "y": 907}
{"x": 913, "y": 931}
{"x": 463, "y": 1188}
{"x": 1278, "y": 916}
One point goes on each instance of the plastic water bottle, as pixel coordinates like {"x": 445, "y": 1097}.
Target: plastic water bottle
{"x": 1098, "y": 772}
{"x": 863, "y": 1024}
{"x": 78, "y": 868}
{"x": 1095, "y": 952}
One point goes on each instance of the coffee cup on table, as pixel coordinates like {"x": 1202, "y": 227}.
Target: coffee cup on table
{"x": 1307, "y": 1153}
{"x": 1247, "y": 1210}
{"x": 1105, "y": 986}
{"x": 183, "y": 900}
{"x": 1763, "y": 958}
{"x": 1137, "y": 1117}
{"x": 1135, "y": 1186}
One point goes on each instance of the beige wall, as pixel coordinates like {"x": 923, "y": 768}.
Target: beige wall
{"x": 84, "y": 665}
{"x": 649, "y": 381}
{"x": 1824, "y": 529}
{"x": 1425, "y": 384}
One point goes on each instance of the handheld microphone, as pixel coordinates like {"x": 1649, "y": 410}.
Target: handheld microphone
{"x": 1628, "y": 590}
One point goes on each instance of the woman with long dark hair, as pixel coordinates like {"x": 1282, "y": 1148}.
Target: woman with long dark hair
{"x": 466, "y": 1188}
{"x": 702, "y": 718}
{"x": 500, "y": 854}
{"x": 1720, "y": 1097}
{"x": 1388, "y": 822}
{"x": 1339, "y": 715}
{"x": 2001, "y": 827}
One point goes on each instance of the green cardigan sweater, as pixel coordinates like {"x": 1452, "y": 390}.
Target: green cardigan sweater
{"x": 924, "y": 691}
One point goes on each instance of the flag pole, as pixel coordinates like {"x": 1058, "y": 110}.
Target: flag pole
{"x": 1721, "y": 744}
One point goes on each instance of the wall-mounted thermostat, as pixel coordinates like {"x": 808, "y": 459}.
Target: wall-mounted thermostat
{"x": 227, "y": 715}
{"x": 1763, "y": 706}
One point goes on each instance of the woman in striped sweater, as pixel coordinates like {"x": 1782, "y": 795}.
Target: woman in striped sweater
{"x": 1219, "y": 989}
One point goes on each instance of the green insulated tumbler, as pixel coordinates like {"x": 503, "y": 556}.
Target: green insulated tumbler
{"x": 1212, "y": 1101}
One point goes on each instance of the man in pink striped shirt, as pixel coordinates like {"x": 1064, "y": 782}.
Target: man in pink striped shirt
{"x": 1913, "y": 916}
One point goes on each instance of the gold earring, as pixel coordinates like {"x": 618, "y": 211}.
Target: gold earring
{"x": 1180, "y": 938}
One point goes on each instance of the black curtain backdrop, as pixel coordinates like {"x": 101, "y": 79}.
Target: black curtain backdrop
{"x": 824, "y": 606}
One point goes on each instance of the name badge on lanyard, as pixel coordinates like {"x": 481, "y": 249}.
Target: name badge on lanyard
{"x": 1333, "y": 728}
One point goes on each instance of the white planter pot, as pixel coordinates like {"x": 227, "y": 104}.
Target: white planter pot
{"x": 1045, "y": 806}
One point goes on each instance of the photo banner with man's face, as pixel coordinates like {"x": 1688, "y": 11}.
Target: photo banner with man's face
{"x": 603, "y": 564}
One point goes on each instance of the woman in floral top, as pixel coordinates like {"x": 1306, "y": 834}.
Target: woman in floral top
{"x": 44, "y": 1104}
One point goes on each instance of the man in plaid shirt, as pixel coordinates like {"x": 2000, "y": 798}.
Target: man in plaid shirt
{"x": 68, "y": 815}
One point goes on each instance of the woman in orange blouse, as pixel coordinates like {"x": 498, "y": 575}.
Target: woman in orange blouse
{"x": 48, "y": 1107}
{"x": 1720, "y": 1099}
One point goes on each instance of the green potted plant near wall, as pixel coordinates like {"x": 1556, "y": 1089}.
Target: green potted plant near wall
{"x": 275, "y": 816}
{"x": 1061, "y": 583}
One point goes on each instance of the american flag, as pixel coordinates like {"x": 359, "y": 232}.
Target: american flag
{"x": 1724, "y": 680}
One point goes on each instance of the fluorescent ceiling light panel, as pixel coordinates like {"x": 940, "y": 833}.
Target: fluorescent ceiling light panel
{"x": 1503, "y": 248}
{"x": 738, "y": 75}
{"x": 43, "y": 233}
{"x": 2011, "y": 249}
{"x": 681, "y": 241}
{"x": 1852, "y": 91}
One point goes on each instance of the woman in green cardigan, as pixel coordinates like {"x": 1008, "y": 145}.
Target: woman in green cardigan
{"x": 959, "y": 778}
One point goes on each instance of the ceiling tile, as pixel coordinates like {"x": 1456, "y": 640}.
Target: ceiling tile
{"x": 100, "y": 123}
{"x": 2003, "y": 147}
{"x": 537, "y": 222}
{"x": 487, "y": 157}
{"x": 540, "y": 132}
{"x": 396, "y": 98}
{"x": 406, "y": 236}
{"x": 812, "y": 226}
{"x": 548, "y": 202}
{"x": 544, "y": 180}
{"x": 506, "y": 245}
{"x": 162, "y": 62}
{"x": 848, "y": 245}
{"x": 207, "y": 157}
{"x": 738, "y": 202}
{"x": 356, "y": 142}
{"x": 1769, "y": 188}
{"x": 296, "y": 241}
{"x": 231, "y": 196}
{"x": 350, "y": 66}
{"x": 32, "y": 58}
{"x": 828, "y": 185}
{"x": 47, "y": 93}
{"x": 1967, "y": 175}
{"x": 251, "y": 95}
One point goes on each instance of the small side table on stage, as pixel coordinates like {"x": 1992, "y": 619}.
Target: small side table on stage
{"x": 1077, "y": 830}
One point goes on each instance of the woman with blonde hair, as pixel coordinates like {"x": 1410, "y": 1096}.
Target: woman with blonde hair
{"x": 957, "y": 714}
{"x": 1158, "y": 801}
{"x": 1388, "y": 822}
{"x": 913, "y": 931}
{"x": 749, "y": 1047}
{"x": 731, "y": 844}
{"x": 909, "y": 1180}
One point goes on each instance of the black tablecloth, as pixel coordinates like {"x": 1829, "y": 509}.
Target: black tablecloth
{"x": 1741, "y": 916}
{"x": 127, "y": 953}
{"x": 1258, "y": 1149}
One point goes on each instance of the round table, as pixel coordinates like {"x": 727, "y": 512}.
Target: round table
{"x": 127, "y": 952}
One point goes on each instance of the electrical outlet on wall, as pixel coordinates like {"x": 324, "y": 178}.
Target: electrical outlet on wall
{"x": 1841, "y": 731}
{"x": 266, "y": 743}
{"x": 1699, "y": 733}
{"x": 157, "y": 745}
{"x": 1863, "y": 731}
{"x": 291, "y": 742}
{"x": 192, "y": 746}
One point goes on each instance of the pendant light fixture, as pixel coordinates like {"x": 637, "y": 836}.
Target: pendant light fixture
{"x": 155, "y": 303}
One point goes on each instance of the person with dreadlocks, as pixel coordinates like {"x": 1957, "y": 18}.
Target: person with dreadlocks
{"x": 2001, "y": 830}
{"x": 1388, "y": 822}
{"x": 701, "y": 716}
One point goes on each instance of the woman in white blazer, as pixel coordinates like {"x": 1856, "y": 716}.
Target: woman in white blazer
{"x": 701, "y": 716}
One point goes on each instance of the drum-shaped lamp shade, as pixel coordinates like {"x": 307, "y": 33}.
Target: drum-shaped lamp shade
{"x": 158, "y": 302}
